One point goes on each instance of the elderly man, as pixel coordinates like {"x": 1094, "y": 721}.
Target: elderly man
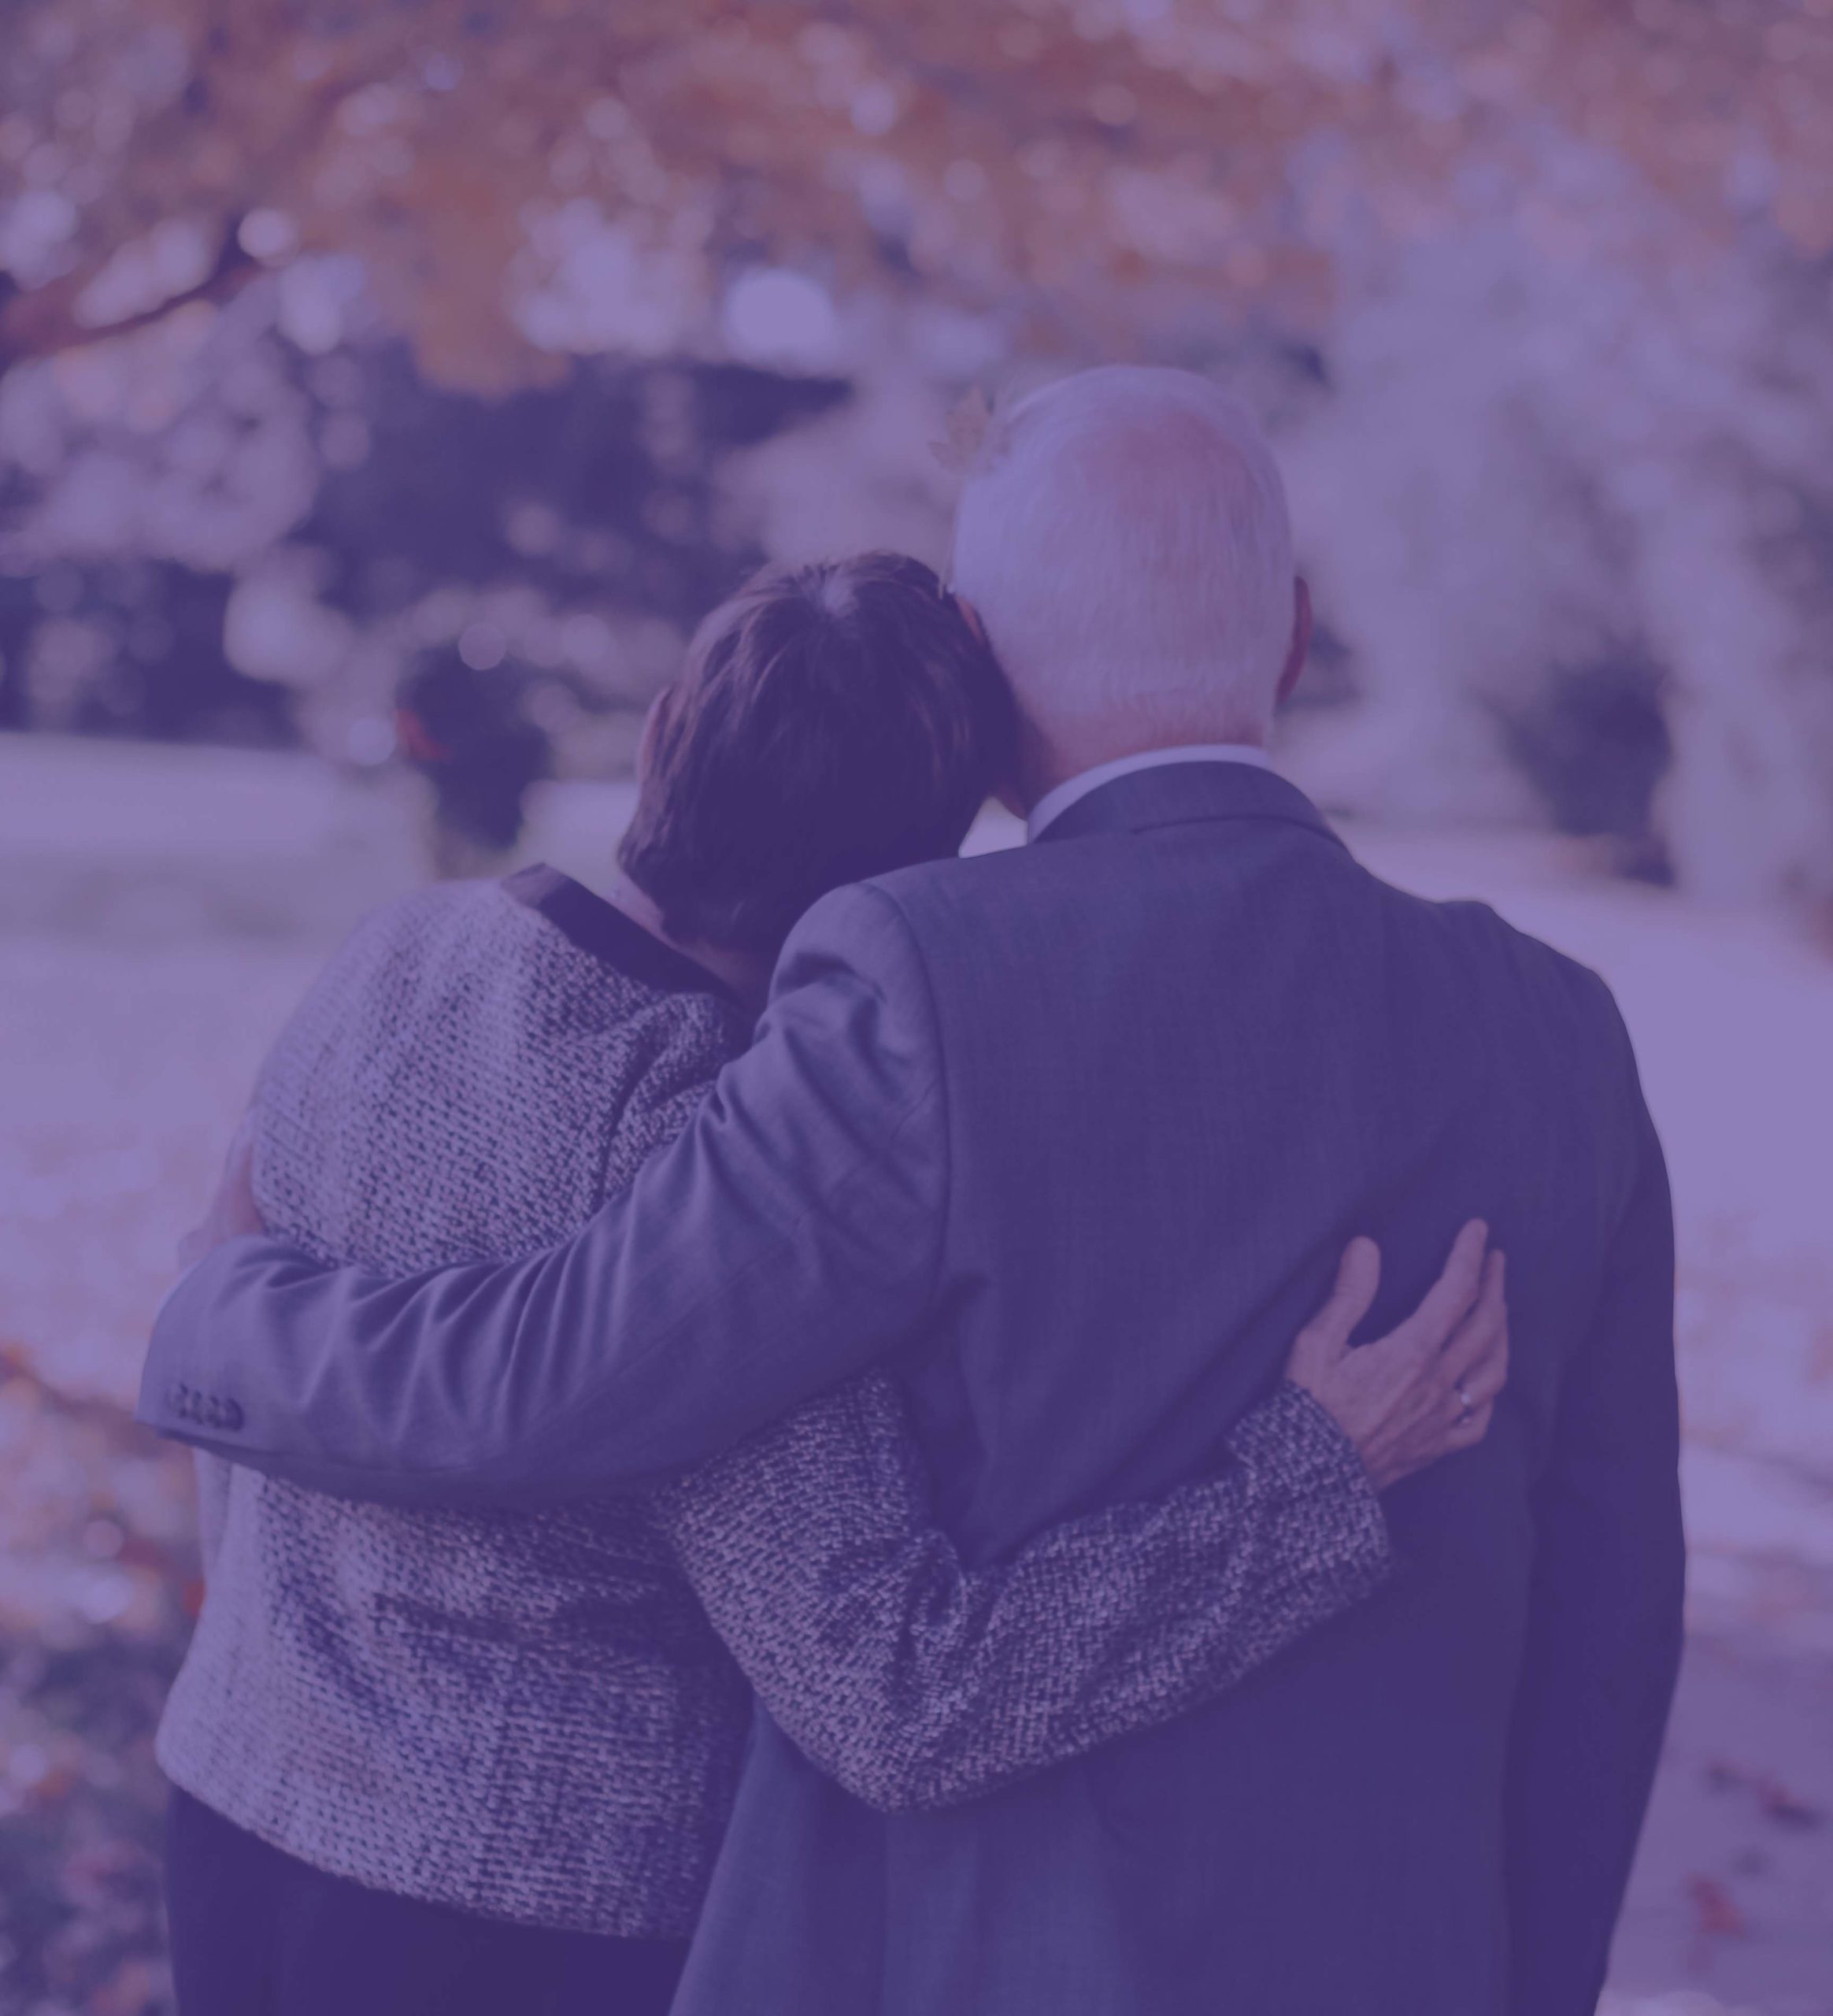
{"x": 1139, "y": 1078}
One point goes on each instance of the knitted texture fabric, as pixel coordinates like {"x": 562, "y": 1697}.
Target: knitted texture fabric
{"x": 527, "y": 1715}
{"x": 918, "y": 1683}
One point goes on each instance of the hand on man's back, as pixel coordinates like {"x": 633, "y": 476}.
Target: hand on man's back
{"x": 233, "y": 1212}
{"x": 1429, "y": 1387}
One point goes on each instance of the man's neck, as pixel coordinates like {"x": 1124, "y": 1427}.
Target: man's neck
{"x": 1046, "y": 762}
{"x": 745, "y": 973}
{"x": 1060, "y": 796}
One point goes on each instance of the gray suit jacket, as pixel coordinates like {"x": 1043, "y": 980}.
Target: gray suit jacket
{"x": 1146, "y": 1074}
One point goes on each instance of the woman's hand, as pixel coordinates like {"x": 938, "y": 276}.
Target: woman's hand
{"x": 233, "y": 1211}
{"x": 1427, "y": 1388}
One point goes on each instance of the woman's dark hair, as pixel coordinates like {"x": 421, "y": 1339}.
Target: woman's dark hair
{"x": 831, "y": 722}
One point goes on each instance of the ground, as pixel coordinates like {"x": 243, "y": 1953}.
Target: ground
{"x": 161, "y": 910}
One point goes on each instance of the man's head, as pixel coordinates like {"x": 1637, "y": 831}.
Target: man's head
{"x": 1123, "y": 536}
{"x": 831, "y": 722}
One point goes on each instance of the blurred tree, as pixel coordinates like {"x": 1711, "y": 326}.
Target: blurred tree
{"x": 261, "y": 560}
{"x": 18, "y": 614}
{"x": 1595, "y": 239}
{"x": 519, "y": 182}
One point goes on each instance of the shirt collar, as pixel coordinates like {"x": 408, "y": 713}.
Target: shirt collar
{"x": 1060, "y": 797}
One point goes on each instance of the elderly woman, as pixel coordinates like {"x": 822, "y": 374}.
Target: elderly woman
{"x": 462, "y": 1761}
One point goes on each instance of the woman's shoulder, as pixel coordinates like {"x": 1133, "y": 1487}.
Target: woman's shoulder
{"x": 405, "y": 927}
{"x": 461, "y": 973}
{"x": 462, "y": 1080}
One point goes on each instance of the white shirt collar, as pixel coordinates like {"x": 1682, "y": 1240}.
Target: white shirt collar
{"x": 1060, "y": 797}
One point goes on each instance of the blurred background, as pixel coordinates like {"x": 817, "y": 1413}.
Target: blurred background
{"x": 386, "y": 390}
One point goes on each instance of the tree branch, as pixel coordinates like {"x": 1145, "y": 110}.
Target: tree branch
{"x": 42, "y": 321}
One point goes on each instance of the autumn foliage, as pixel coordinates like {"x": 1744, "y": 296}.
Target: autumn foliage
{"x": 1094, "y": 167}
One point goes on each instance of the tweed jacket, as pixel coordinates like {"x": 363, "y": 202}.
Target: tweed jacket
{"x": 539, "y": 1715}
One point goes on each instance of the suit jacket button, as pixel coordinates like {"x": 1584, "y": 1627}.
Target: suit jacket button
{"x": 232, "y": 1416}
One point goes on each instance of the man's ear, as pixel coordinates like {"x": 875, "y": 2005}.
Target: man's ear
{"x": 1301, "y": 643}
{"x": 1007, "y": 789}
{"x": 972, "y": 616}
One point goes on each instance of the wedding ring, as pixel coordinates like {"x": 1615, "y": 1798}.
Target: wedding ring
{"x": 1466, "y": 1407}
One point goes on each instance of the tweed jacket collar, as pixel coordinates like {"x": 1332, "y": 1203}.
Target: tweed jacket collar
{"x": 603, "y": 930}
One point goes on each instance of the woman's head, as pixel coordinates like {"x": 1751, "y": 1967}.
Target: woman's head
{"x": 831, "y": 722}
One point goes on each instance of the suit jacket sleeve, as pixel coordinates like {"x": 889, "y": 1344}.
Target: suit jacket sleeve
{"x": 1604, "y": 1630}
{"x": 917, "y": 1681}
{"x": 789, "y": 1236}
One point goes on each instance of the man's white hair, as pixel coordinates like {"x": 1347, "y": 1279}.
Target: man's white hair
{"x": 1124, "y": 535}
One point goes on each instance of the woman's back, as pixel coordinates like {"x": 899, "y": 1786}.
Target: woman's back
{"x": 526, "y": 1715}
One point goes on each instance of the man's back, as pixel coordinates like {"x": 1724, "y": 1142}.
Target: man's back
{"x": 1190, "y": 1047}
{"x": 1185, "y": 1065}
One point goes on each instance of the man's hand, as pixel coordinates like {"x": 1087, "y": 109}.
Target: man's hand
{"x": 233, "y": 1212}
{"x": 1427, "y": 1388}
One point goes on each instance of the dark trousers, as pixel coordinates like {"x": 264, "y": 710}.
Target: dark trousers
{"x": 255, "y": 1932}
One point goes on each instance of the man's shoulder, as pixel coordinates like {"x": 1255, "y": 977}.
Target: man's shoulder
{"x": 1489, "y": 934}
{"x": 1022, "y": 903}
{"x": 1531, "y": 998}
{"x": 921, "y": 912}
{"x": 969, "y": 889}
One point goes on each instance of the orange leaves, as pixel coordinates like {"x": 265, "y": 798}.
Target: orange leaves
{"x": 419, "y": 143}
